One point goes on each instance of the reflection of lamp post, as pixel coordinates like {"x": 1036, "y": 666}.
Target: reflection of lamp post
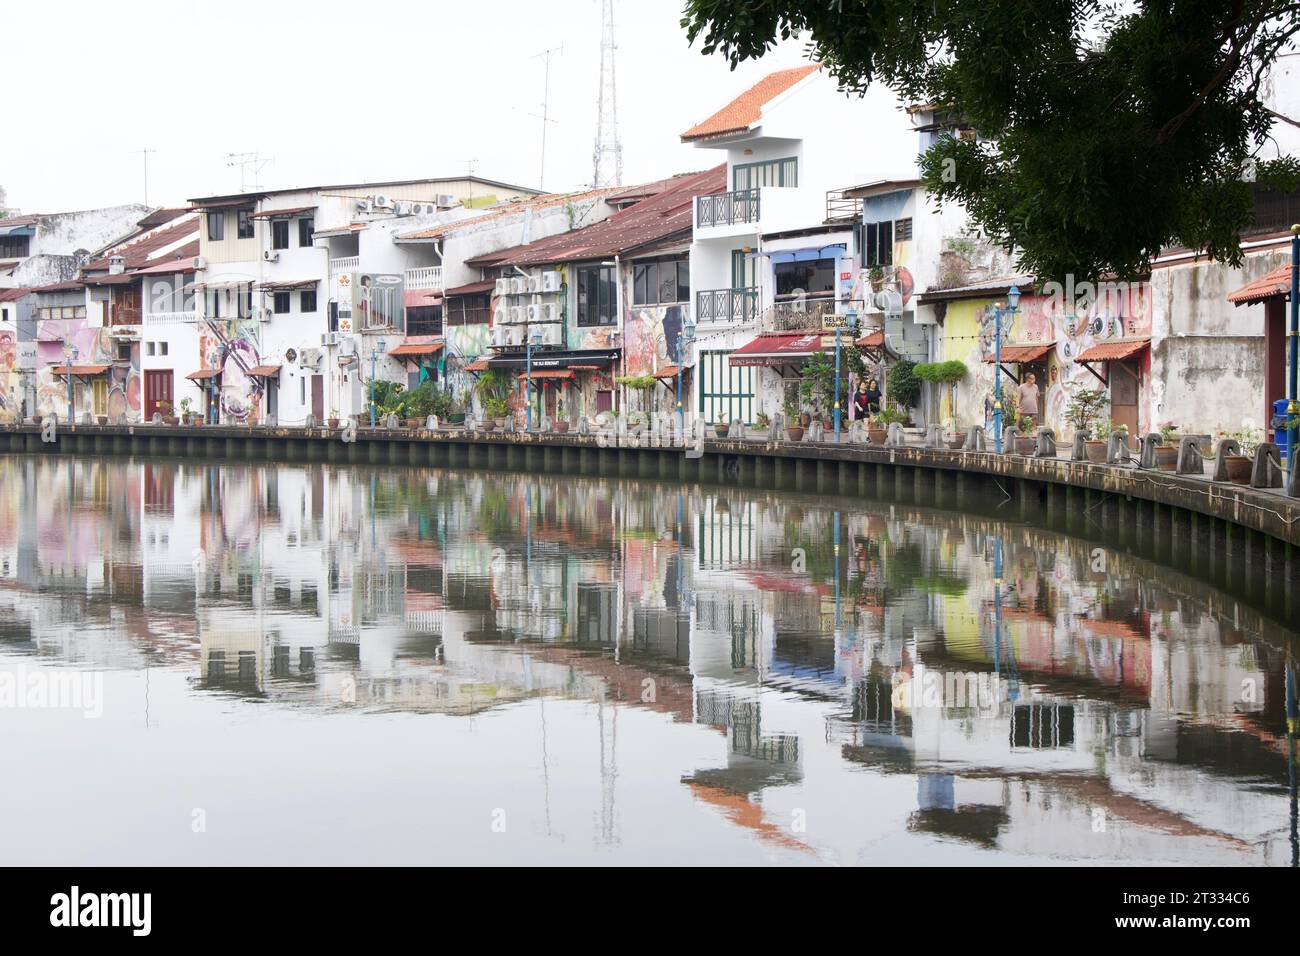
{"x": 685, "y": 336}
{"x": 70, "y": 352}
{"x": 379, "y": 349}
{"x": 1013, "y": 306}
{"x": 534, "y": 338}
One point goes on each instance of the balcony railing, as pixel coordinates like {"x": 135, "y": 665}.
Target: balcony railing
{"x": 840, "y": 208}
{"x": 428, "y": 277}
{"x": 800, "y": 315}
{"x": 350, "y": 264}
{"x": 171, "y": 318}
{"x": 726, "y": 305}
{"x": 726, "y": 209}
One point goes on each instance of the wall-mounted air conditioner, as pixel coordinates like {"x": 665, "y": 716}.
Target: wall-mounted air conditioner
{"x": 550, "y": 312}
{"x": 518, "y": 285}
{"x": 402, "y": 208}
{"x": 347, "y": 345}
{"x": 516, "y": 335}
{"x": 517, "y": 314}
{"x": 364, "y": 205}
{"x": 271, "y": 255}
{"x": 551, "y": 281}
{"x": 263, "y": 314}
{"x": 382, "y": 202}
{"x": 200, "y": 263}
{"x": 503, "y": 287}
{"x": 329, "y": 339}
{"x": 552, "y": 334}
{"x": 447, "y": 200}
{"x": 535, "y": 284}
{"x": 501, "y": 316}
{"x": 499, "y": 336}
{"x": 311, "y": 358}
{"x": 534, "y": 313}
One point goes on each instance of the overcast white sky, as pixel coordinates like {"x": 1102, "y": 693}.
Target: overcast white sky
{"x": 339, "y": 92}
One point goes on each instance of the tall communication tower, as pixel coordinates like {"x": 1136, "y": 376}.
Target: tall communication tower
{"x": 608, "y": 155}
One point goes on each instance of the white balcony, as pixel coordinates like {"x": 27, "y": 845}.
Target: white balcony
{"x": 171, "y": 318}
{"x": 763, "y": 210}
{"x": 428, "y": 277}
{"x": 340, "y": 266}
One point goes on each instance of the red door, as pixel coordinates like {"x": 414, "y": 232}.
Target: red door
{"x": 318, "y": 397}
{"x": 157, "y": 388}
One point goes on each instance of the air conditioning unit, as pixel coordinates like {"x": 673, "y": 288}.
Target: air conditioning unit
{"x": 503, "y": 287}
{"x": 447, "y": 200}
{"x": 200, "y": 263}
{"x": 382, "y": 202}
{"x": 551, "y": 281}
{"x": 501, "y": 316}
{"x": 515, "y": 335}
{"x": 551, "y": 335}
{"x": 271, "y": 255}
{"x": 518, "y": 285}
{"x": 534, "y": 284}
{"x": 364, "y": 205}
{"x": 328, "y": 340}
{"x": 263, "y": 315}
{"x": 402, "y": 208}
{"x": 311, "y": 358}
{"x": 499, "y": 335}
{"x": 517, "y": 314}
{"x": 550, "y": 312}
{"x": 347, "y": 345}
{"x": 534, "y": 313}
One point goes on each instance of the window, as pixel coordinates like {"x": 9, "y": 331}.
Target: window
{"x": 661, "y": 282}
{"x": 281, "y": 303}
{"x": 597, "y": 296}
{"x": 902, "y": 230}
{"x": 280, "y": 234}
{"x": 812, "y": 277}
{"x": 775, "y": 172}
{"x": 245, "y": 223}
{"x": 878, "y": 244}
{"x": 124, "y": 351}
{"x": 744, "y": 273}
{"x": 467, "y": 310}
{"x": 307, "y": 300}
{"x": 148, "y": 348}
{"x": 162, "y": 348}
{"x": 216, "y": 226}
{"x": 725, "y": 393}
{"x": 306, "y": 229}
{"x": 424, "y": 320}
{"x": 14, "y": 247}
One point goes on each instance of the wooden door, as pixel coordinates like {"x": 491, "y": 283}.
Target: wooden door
{"x": 99, "y": 396}
{"x": 318, "y": 397}
{"x": 157, "y": 388}
{"x": 1124, "y": 397}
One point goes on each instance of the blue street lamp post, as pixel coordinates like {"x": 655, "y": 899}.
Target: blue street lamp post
{"x": 1293, "y": 408}
{"x": 534, "y": 337}
{"x": 380, "y": 348}
{"x": 1013, "y": 306}
{"x": 69, "y": 354}
{"x": 685, "y": 336}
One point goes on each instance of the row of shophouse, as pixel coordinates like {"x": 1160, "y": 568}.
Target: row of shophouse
{"x": 808, "y": 216}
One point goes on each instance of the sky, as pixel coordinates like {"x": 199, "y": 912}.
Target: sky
{"x": 342, "y": 92}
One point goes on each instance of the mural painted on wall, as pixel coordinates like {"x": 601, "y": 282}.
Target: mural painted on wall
{"x": 464, "y": 344}
{"x": 10, "y": 399}
{"x": 120, "y": 391}
{"x": 233, "y": 346}
{"x": 970, "y": 329}
{"x": 650, "y": 343}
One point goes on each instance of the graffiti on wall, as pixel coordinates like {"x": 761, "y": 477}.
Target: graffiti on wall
{"x": 119, "y": 391}
{"x": 10, "y": 399}
{"x": 232, "y": 346}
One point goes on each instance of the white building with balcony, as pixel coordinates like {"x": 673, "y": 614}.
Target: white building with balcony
{"x": 788, "y": 243}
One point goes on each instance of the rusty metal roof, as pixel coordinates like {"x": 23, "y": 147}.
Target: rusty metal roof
{"x": 652, "y": 220}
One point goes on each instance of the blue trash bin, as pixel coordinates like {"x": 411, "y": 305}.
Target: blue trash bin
{"x": 1281, "y": 437}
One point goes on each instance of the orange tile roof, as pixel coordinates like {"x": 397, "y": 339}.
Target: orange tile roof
{"x": 747, "y": 108}
{"x": 1275, "y": 283}
{"x": 1113, "y": 351}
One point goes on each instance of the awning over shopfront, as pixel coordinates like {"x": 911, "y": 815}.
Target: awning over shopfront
{"x": 478, "y": 365}
{"x": 416, "y": 350}
{"x": 474, "y": 288}
{"x": 774, "y": 351}
{"x": 283, "y": 213}
{"x": 1019, "y": 354}
{"x": 264, "y": 371}
{"x": 565, "y": 360}
{"x": 204, "y": 375}
{"x": 80, "y": 371}
{"x": 1273, "y": 284}
{"x": 1119, "y": 351}
{"x": 292, "y": 286}
{"x": 546, "y": 374}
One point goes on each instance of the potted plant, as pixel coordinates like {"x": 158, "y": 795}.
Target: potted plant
{"x": 877, "y": 277}
{"x": 188, "y": 416}
{"x": 333, "y": 420}
{"x": 1083, "y": 412}
{"x": 497, "y": 409}
{"x": 762, "y": 422}
{"x": 903, "y": 387}
{"x": 817, "y": 386}
{"x": 889, "y": 415}
{"x": 561, "y": 424}
{"x": 793, "y": 432}
{"x": 1026, "y": 444}
{"x": 165, "y": 409}
{"x": 102, "y": 419}
{"x": 943, "y": 375}
{"x": 1167, "y": 450}
{"x": 956, "y": 439}
{"x": 1240, "y": 466}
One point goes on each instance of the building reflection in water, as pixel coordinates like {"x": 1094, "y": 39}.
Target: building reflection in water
{"x": 871, "y": 669}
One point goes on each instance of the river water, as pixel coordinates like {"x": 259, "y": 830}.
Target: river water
{"x": 241, "y": 664}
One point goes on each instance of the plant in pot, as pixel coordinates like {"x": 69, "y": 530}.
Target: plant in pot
{"x": 943, "y": 375}
{"x": 497, "y": 410}
{"x": 889, "y": 415}
{"x": 793, "y": 431}
{"x": 561, "y": 424}
{"x": 903, "y": 387}
{"x": 1167, "y": 450}
{"x": 641, "y": 385}
{"x": 1241, "y": 465}
{"x": 165, "y": 410}
{"x": 1083, "y": 413}
{"x": 1026, "y": 441}
{"x": 492, "y": 389}
{"x": 762, "y": 422}
{"x": 333, "y": 420}
{"x": 817, "y": 386}
{"x": 187, "y": 413}
{"x": 877, "y": 277}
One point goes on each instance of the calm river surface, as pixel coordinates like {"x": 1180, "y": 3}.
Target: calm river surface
{"x": 239, "y": 664}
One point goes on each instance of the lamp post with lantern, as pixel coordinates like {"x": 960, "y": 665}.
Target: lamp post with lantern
{"x": 1013, "y": 306}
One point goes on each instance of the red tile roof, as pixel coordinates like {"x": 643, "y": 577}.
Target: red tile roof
{"x": 1275, "y": 283}
{"x": 1023, "y": 353}
{"x": 1113, "y": 351}
{"x": 13, "y": 295}
{"x": 747, "y": 108}
{"x": 511, "y": 209}
{"x": 664, "y": 214}
{"x": 142, "y": 249}
{"x": 416, "y": 348}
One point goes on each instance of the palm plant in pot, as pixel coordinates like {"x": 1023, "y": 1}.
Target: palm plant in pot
{"x": 1026, "y": 441}
{"x": 492, "y": 389}
{"x": 1083, "y": 412}
{"x": 1167, "y": 450}
{"x": 889, "y": 415}
{"x": 497, "y": 410}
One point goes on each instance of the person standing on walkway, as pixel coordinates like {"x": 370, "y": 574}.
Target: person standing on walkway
{"x": 1029, "y": 398}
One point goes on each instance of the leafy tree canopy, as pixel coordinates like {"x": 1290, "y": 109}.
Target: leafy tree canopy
{"x": 1108, "y": 130}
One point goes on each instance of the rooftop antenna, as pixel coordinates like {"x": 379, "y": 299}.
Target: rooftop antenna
{"x": 469, "y": 178}
{"x": 608, "y": 154}
{"x": 250, "y": 167}
{"x": 144, "y": 155}
{"x": 545, "y": 55}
